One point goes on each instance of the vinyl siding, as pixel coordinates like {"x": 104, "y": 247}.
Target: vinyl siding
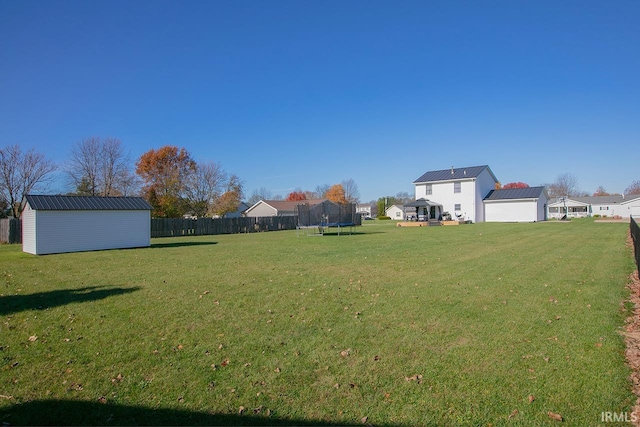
{"x": 29, "y": 230}
{"x": 262, "y": 209}
{"x": 513, "y": 211}
{"x": 74, "y": 231}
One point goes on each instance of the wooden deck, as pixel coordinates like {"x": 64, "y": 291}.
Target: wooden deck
{"x": 413, "y": 224}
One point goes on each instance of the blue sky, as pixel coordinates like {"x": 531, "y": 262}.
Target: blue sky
{"x": 295, "y": 94}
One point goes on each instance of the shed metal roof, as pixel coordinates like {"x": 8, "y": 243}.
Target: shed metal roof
{"x": 515, "y": 193}
{"x": 86, "y": 203}
{"x": 454, "y": 174}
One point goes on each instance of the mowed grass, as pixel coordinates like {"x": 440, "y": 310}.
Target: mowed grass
{"x": 482, "y": 324}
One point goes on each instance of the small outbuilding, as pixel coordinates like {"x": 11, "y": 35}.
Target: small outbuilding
{"x": 58, "y": 224}
{"x": 516, "y": 205}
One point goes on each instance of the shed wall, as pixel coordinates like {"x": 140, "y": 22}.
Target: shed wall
{"x": 74, "y": 231}
{"x": 29, "y": 230}
{"x": 513, "y": 211}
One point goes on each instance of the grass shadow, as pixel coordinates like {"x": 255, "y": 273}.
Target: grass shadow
{"x": 43, "y": 300}
{"x": 69, "y": 412}
{"x": 180, "y": 244}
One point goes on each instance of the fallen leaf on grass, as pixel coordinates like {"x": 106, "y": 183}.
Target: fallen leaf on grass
{"x": 32, "y": 338}
{"x": 241, "y": 410}
{"x": 531, "y": 398}
{"x": 417, "y": 378}
{"x": 513, "y": 414}
{"x": 555, "y": 416}
{"x": 345, "y": 353}
{"x": 364, "y": 420}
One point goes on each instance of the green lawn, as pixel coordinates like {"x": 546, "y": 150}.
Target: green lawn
{"x": 404, "y": 326}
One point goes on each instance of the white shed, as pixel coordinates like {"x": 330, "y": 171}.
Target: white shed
{"x": 57, "y": 224}
{"x": 516, "y": 205}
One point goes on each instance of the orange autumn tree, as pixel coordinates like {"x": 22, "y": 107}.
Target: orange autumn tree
{"x": 165, "y": 172}
{"x": 515, "y": 185}
{"x": 336, "y": 194}
{"x": 229, "y": 201}
{"x": 296, "y": 196}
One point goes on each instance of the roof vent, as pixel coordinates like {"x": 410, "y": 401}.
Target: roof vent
{"x": 465, "y": 173}
{"x": 451, "y": 170}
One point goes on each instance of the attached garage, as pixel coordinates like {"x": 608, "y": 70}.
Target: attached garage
{"x": 58, "y": 224}
{"x": 516, "y": 205}
{"x": 630, "y": 206}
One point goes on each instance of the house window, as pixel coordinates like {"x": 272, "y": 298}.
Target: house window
{"x": 457, "y": 207}
{"x": 429, "y": 190}
{"x": 456, "y": 187}
{"x": 604, "y": 208}
{"x": 398, "y": 214}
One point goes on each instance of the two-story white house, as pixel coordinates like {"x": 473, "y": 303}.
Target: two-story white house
{"x": 459, "y": 191}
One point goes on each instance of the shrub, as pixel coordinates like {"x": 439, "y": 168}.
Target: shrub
{"x": 384, "y": 217}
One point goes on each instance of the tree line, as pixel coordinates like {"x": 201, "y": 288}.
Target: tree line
{"x": 345, "y": 192}
{"x": 175, "y": 184}
{"x": 168, "y": 178}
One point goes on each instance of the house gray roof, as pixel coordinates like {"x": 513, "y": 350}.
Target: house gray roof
{"x": 599, "y": 200}
{"x": 454, "y": 173}
{"x": 86, "y": 203}
{"x": 515, "y": 193}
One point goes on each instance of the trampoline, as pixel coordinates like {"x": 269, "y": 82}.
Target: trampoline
{"x": 316, "y": 220}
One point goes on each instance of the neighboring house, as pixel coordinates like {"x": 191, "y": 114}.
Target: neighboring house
{"x": 631, "y": 206}
{"x": 459, "y": 191}
{"x": 278, "y": 207}
{"x": 516, "y": 205}
{"x": 605, "y": 206}
{"x": 364, "y": 210}
{"x": 395, "y": 212}
{"x": 242, "y": 207}
{"x": 57, "y": 224}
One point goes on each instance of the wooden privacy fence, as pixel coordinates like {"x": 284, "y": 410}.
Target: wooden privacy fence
{"x": 635, "y": 235}
{"x": 10, "y": 230}
{"x": 172, "y": 227}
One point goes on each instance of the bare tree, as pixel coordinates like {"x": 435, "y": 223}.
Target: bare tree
{"x": 204, "y": 186}
{"x": 404, "y": 197}
{"x": 565, "y": 185}
{"x": 114, "y": 165}
{"x": 83, "y": 168}
{"x": 99, "y": 167}
{"x": 633, "y": 188}
{"x": 321, "y": 190}
{"x": 259, "y": 194}
{"x": 21, "y": 173}
{"x": 351, "y": 191}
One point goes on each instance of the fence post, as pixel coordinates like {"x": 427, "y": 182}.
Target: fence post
{"x": 635, "y": 236}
